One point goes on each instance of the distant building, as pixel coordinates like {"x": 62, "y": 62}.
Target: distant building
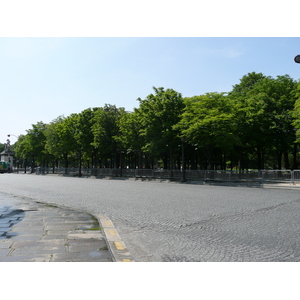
{"x": 7, "y": 155}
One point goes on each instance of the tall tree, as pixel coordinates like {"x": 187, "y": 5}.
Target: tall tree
{"x": 54, "y": 140}
{"x": 105, "y": 129}
{"x": 23, "y": 150}
{"x": 37, "y": 140}
{"x": 209, "y": 122}
{"x": 130, "y": 135}
{"x": 250, "y": 116}
{"x": 159, "y": 112}
{"x": 84, "y": 134}
{"x": 264, "y": 109}
{"x": 296, "y": 121}
{"x": 61, "y": 141}
{"x": 280, "y": 99}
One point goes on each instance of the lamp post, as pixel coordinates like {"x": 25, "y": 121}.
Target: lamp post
{"x": 121, "y": 162}
{"x": 297, "y": 59}
{"x": 183, "y": 179}
{"x": 80, "y": 161}
{"x": 8, "y": 153}
{"x": 32, "y": 163}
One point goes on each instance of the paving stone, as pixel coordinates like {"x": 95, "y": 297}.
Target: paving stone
{"x": 37, "y": 251}
{"x": 11, "y": 234}
{"x": 32, "y": 244}
{"x": 55, "y": 235}
{"x": 4, "y": 251}
{"x": 62, "y": 227}
{"x": 88, "y": 246}
{"x": 82, "y": 257}
{"x": 45, "y": 258}
{"x": 49, "y": 234}
{"x": 4, "y": 221}
{"x": 29, "y": 258}
{"x": 27, "y": 229}
{"x": 27, "y": 237}
{"x": 5, "y": 244}
{"x": 85, "y": 235}
{"x": 33, "y": 223}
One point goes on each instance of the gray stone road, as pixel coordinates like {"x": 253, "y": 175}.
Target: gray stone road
{"x": 180, "y": 222}
{"x": 35, "y": 232}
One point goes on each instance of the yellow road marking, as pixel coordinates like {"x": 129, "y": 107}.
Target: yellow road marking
{"x": 112, "y": 232}
{"x": 119, "y": 246}
{"x": 108, "y": 223}
{"x": 126, "y": 260}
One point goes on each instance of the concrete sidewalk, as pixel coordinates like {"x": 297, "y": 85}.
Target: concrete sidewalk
{"x": 36, "y": 232}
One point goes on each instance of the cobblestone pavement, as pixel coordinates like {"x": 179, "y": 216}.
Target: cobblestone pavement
{"x": 35, "y": 232}
{"x": 181, "y": 222}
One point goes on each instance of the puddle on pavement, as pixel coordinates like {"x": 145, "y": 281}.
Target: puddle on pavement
{"x": 8, "y": 218}
{"x": 94, "y": 254}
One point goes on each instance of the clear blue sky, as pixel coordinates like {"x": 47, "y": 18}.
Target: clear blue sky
{"x": 42, "y": 78}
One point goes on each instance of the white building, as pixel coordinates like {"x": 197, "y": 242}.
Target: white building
{"x": 7, "y": 155}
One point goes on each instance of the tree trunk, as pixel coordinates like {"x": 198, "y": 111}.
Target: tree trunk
{"x": 66, "y": 162}
{"x": 259, "y": 159}
{"x": 279, "y": 156}
{"x": 295, "y": 164}
{"x": 286, "y": 161}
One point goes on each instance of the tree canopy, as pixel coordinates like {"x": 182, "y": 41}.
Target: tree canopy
{"x": 256, "y": 125}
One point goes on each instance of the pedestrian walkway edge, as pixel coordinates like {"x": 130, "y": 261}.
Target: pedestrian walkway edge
{"x": 116, "y": 246}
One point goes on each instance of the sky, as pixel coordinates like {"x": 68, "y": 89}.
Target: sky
{"x": 61, "y": 57}
{"x": 42, "y": 78}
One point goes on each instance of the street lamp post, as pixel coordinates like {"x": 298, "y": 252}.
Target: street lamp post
{"x": 80, "y": 161}
{"x": 121, "y": 162}
{"x": 297, "y": 59}
{"x": 183, "y": 179}
{"x": 32, "y": 163}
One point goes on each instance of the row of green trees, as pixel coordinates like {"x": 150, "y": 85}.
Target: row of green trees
{"x": 254, "y": 126}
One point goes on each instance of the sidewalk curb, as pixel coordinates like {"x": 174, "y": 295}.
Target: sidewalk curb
{"x": 281, "y": 186}
{"x": 116, "y": 246}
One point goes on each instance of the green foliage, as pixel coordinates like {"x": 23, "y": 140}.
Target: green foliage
{"x": 130, "y": 136}
{"x": 54, "y": 139}
{"x": 246, "y": 84}
{"x": 209, "y": 120}
{"x": 106, "y": 131}
{"x": 252, "y": 126}
{"x": 84, "y": 135}
{"x": 2, "y": 147}
{"x": 158, "y": 114}
{"x": 22, "y": 148}
{"x": 265, "y": 115}
{"x": 296, "y": 113}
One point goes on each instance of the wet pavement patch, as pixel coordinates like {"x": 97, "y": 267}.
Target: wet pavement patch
{"x": 8, "y": 218}
{"x": 31, "y": 231}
